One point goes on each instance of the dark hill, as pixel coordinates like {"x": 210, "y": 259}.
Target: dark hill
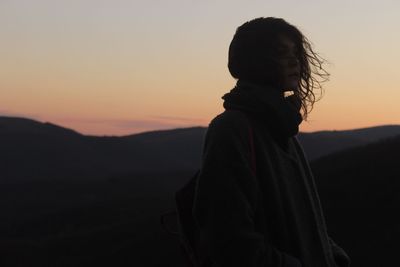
{"x": 16, "y": 125}
{"x": 360, "y": 190}
{"x": 87, "y": 220}
{"x": 33, "y": 151}
{"x": 158, "y": 151}
{"x": 37, "y": 151}
{"x": 322, "y": 143}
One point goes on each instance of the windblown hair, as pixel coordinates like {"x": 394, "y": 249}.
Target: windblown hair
{"x": 253, "y": 55}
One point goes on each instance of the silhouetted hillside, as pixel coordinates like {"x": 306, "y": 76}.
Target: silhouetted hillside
{"x": 159, "y": 151}
{"x": 33, "y": 151}
{"x": 322, "y": 143}
{"x": 15, "y": 125}
{"x": 114, "y": 221}
{"x": 91, "y": 223}
{"x": 360, "y": 190}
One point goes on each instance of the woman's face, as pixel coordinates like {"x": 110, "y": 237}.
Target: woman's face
{"x": 289, "y": 63}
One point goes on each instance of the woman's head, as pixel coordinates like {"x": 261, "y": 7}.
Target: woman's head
{"x": 270, "y": 51}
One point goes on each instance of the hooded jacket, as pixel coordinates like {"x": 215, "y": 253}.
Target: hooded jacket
{"x": 272, "y": 217}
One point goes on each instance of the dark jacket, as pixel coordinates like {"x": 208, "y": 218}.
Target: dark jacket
{"x": 271, "y": 218}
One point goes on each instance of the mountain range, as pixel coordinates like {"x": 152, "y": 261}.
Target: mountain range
{"x": 360, "y": 191}
{"x": 97, "y": 200}
{"x": 32, "y": 150}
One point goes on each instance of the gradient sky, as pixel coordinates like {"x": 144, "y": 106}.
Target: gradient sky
{"x": 122, "y": 67}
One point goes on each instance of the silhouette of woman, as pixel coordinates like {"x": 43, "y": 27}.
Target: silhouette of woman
{"x": 256, "y": 203}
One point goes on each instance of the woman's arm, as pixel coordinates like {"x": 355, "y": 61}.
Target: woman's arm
{"x": 226, "y": 198}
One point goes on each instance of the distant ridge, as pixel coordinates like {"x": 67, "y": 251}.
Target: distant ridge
{"x": 25, "y": 125}
{"x": 322, "y": 143}
{"x": 360, "y": 191}
{"x": 33, "y": 150}
{"x": 165, "y": 131}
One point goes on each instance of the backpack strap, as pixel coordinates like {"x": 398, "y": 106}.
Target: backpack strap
{"x": 252, "y": 150}
{"x": 251, "y": 142}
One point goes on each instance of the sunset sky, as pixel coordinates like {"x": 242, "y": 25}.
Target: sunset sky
{"x": 123, "y": 67}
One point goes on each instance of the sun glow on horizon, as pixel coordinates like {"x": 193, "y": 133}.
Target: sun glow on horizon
{"x": 117, "y": 68}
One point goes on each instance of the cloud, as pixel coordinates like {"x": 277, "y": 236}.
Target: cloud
{"x": 107, "y": 126}
{"x": 153, "y": 122}
{"x": 177, "y": 118}
{"x": 126, "y": 126}
{"x": 150, "y": 124}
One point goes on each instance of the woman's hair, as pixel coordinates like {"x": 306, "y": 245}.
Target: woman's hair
{"x": 253, "y": 55}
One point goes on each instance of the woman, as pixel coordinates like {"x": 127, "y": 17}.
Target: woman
{"x": 256, "y": 202}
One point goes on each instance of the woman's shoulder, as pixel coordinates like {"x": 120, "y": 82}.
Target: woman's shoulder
{"x": 229, "y": 125}
{"x": 229, "y": 119}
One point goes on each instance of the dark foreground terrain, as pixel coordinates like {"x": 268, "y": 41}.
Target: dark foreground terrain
{"x": 110, "y": 223}
{"x": 73, "y": 200}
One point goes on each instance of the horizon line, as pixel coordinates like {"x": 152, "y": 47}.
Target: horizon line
{"x": 182, "y": 128}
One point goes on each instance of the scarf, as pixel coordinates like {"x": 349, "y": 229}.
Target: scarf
{"x": 281, "y": 114}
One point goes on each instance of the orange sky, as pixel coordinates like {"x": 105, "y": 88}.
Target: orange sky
{"x": 122, "y": 67}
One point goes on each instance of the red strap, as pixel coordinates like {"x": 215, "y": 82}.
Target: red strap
{"x": 252, "y": 149}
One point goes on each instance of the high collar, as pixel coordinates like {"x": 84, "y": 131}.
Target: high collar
{"x": 280, "y": 113}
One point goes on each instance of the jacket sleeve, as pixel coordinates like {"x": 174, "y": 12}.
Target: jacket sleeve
{"x": 225, "y": 203}
{"x": 341, "y": 258}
